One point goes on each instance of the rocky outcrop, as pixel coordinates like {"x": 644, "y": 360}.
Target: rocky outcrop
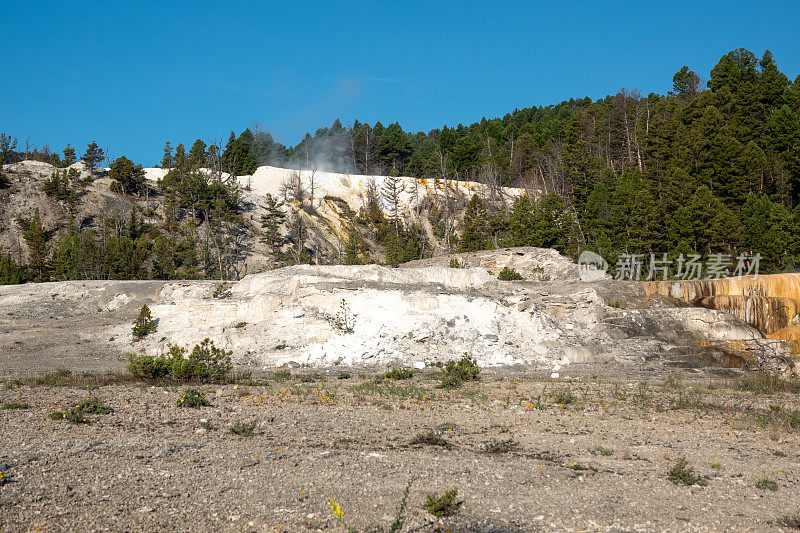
{"x": 769, "y": 302}
{"x": 367, "y": 315}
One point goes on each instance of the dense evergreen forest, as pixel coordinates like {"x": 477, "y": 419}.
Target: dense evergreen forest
{"x": 699, "y": 170}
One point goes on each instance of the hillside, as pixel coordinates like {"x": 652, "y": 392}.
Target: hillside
{"x": 329, "y": 210}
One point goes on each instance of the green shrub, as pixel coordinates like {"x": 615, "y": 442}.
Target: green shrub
{"x": 444, "y": 505}
{"x": 193, "y": 398}
{"x": 455, "y": 373}
{"x": 223, "y": 290}
{"x": 456, "y": 263}
{"x": 682, "y": 474}
{"x": 431, "y": 438}
{"x": 509, "y": 274}
{"x": 399, "y": 373}
{"x": 144, "y": 323}
{"x": 205, "y": 363}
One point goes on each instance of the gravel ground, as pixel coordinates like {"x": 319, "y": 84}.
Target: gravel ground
{"x": 589, "y": 453}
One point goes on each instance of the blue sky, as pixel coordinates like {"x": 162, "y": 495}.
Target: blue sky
{"x": 134, "y": 74}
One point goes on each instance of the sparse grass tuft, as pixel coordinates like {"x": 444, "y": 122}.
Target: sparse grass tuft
{"x": 15, "y": 405}
{"x": 501, "y": 446}
{"x": 604, "y": 451}
{"x": 431, "y": 438}
{"x": 791, "y": 521}
{"x": 442, "y": 505}
{"x": 767, "y": 484}
{"x": 243, "y": 429}
{"x": 208, "y": 426}
{"x": 193, "y": 398}
{"x": 579, "y": 467}
{"x": 683, "y": 474}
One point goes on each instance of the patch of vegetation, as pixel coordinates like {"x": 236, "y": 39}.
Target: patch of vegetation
{"x": 77, "y": 414}
{"x": 501, "y": 446}
{"x": 313, "y": 377}
{"x": 790, "y": 520}
{"x": 343, "y": 375}
{"x": 66, "y": 378}
{"x": 206, "y": 363}
{"x": 767, "y": 484}
{"x": 244, "y": 429}
{"x": 93, "y": 406}
{"x": 579, "y": 467}
{"x": 619, "y": 393}
{"x": 455, "y": 373}
{"x": 563, "y": 397}
{"x": 431, "y": 438}
{"x": 399, "y": 373}
{"x": 683, "y": 474}
{"x": 193, "y": 398}
{"x": 446, "y": 426}
{"x": 15, "y": 405}
{"x": 282, "y": 374}
{"x": 240, "y": 325}
{"x": 442, "y": 505}
{"x": 455, "y": 262}
{"x": 5, "y": 475}
{"x": 766, "y": 383}
{"x": 509, "y": 274}
{"x": 604, "y": 451}
{"x": 144, "y": 324}
{"x": 778, "y": 453}
{"x": 223, "y": 290}
{"x": 208, "y": 426}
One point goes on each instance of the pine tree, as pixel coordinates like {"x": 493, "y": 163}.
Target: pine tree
{"x": 92, "y": 157}
{"x": 130, "y": 177}
{"x": 10, "y": 272}
{"x": 144, "y": 323}
{"x": 391, "y": 190}
{"x": 36, "y": 238}
{"x": 197, "y": 154}
{"x": 69, "y": 156}
{"x": 166, "y": 161}
{"x": 272, "y": 220}
{"x": 476, "y": 235}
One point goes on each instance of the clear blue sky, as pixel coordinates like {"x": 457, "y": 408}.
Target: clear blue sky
{"x": 134, "y": 74}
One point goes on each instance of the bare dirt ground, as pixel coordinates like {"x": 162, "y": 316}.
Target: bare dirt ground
{"x": 590, "y": 452}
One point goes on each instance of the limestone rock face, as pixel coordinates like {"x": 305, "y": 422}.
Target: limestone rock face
{"x": 366, "y": 315}
{"x": 769, "y": 302}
